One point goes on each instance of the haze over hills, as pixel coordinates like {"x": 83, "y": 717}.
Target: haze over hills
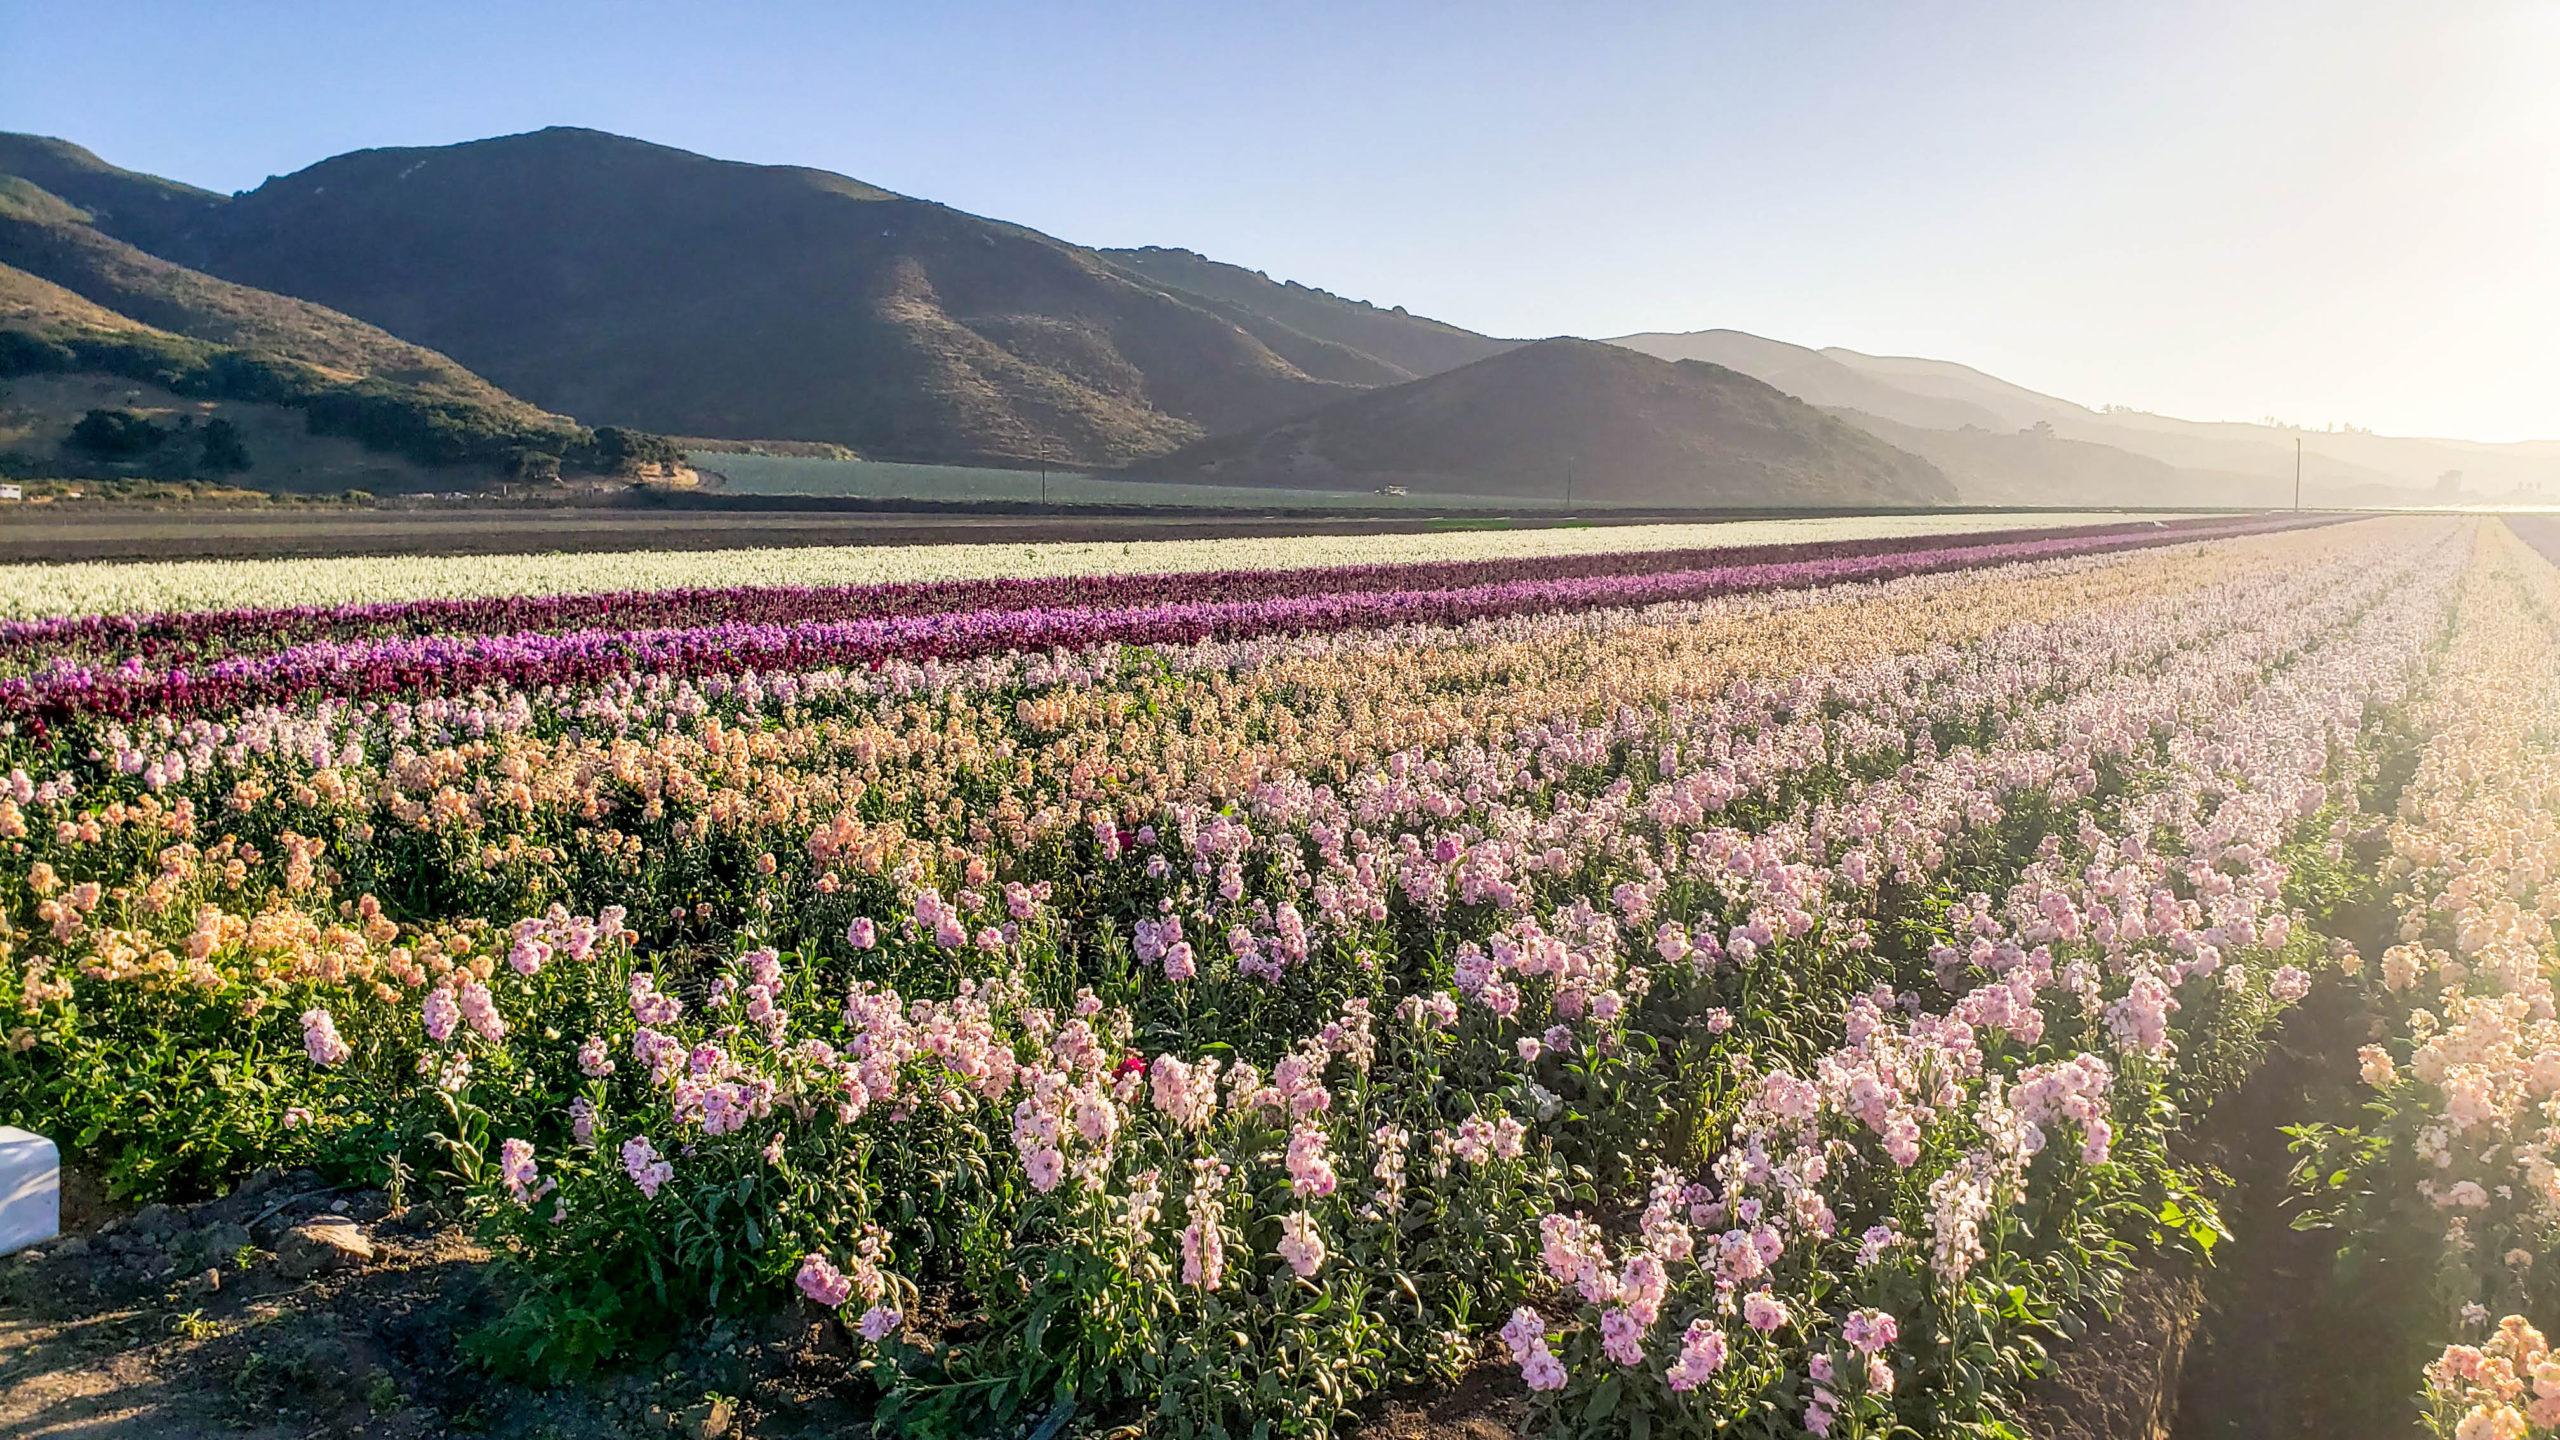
{"x": 1970, "y": 423}
{"x": 1603, "y": 423}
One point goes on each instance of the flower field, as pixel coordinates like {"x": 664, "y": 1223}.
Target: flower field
{"x": 1749, "y": 991}
{"x": 28, "y": 591}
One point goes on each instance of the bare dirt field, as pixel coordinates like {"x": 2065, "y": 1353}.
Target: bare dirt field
{"x": 185, "y": 535}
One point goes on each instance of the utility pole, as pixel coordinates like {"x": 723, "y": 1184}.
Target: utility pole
{"x": 2297, "y": 472}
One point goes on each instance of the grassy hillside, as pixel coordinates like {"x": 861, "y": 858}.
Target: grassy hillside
{"x": 633, "y": 284}
{"x": 1612, "y": 425}
{"x": 54, "y": 342}
{"x": 43, "y": 235}
{"x": 1370, "y": 345}
{"x": 31, "y": 304}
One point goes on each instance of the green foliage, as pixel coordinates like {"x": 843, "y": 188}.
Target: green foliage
{"x": 224, "y": 452}
{"x": 117, "y": 435}
{"x": 425, "y": 426}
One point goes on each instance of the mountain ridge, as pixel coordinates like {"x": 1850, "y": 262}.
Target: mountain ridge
{"x": 1576, "y": 421}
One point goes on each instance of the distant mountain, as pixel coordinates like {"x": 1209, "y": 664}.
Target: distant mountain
{"x": 42, "y": 235}
{"x": 2004, "y": 443}
{"x": 1616, "y": 426}
{"x": 1349, "y": 340}
{"x": 1816, "y": 377}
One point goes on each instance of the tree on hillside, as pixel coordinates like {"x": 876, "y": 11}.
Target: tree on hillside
{"x": 116, "y": 435}
{"x": 224, "y": 454}
{"x": 534, "y": 467}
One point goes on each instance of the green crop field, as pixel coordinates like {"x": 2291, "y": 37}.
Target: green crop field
{"x": 887, "y": 480}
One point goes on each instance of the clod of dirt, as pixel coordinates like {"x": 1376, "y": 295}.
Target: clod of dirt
{"x": 319, "y": 1247}
{"x": 714, "y": 1419}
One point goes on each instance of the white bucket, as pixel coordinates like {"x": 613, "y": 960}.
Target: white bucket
{"x": 30, "y": 1189}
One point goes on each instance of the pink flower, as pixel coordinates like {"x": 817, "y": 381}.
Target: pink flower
{"x": 594, "y": 1061}
{"x": 820, "y": 1280}
{"x": 528, "y": 954}
{"x": 1046, "y": 1165}
{"x": 878, "y": 1322}
{"x": 1763, "y": 1311}
{"x": 1526, "y": 1334}
{"x": 1301, "y": 1244}
{"x": 480, "y": 1008}
{"x": 1525, "y": 1330}
{"x": 320, "y": 1038}
{"x": 518, "y": 1172}
{"x": 862, "y": 934}
{"x": 440, "y": 1013}
{"x": 1869, "y": 1331}
{"x": 641, "y": 1161}
{"x": 1702, "y": 1354}
{"x": 1621, "y": 1337}
{"x": 1310, "y": 1168}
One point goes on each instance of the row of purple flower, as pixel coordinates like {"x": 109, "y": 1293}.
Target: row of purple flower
{"x": 365, "y": 668}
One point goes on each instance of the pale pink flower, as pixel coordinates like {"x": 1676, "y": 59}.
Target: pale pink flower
{"x": 1702, "y": 1354}
{"x": 320, "y": 1038}
{"x": 440, "y": 1013}
{"x": 1301, "y": 1244}
{"x": 878, "y": 1322}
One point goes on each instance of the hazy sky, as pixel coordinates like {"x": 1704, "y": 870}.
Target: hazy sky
{"x": 2319, "y": 212}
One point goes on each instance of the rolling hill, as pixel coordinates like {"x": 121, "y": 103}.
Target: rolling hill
{"x": 1615, "y": 426}
{"x": 44, "y": 236}
{"x": 634, "y": 284}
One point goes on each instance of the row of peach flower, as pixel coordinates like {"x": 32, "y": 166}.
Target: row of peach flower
{"x": 2471, "y": 1071}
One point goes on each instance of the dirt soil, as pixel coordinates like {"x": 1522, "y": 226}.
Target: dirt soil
{"x": 485, "y": 528}
{"x": 2290, "y": 1346}
{"x": 187, "y": 1324}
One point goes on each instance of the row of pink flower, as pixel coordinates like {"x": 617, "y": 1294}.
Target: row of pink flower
{"x": 362, "y": 669}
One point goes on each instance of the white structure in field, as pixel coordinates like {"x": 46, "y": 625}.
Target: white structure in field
{"x": 30, "y": 1189}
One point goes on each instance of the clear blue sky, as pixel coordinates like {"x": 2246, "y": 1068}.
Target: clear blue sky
{"x": 2319, "y": 212}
